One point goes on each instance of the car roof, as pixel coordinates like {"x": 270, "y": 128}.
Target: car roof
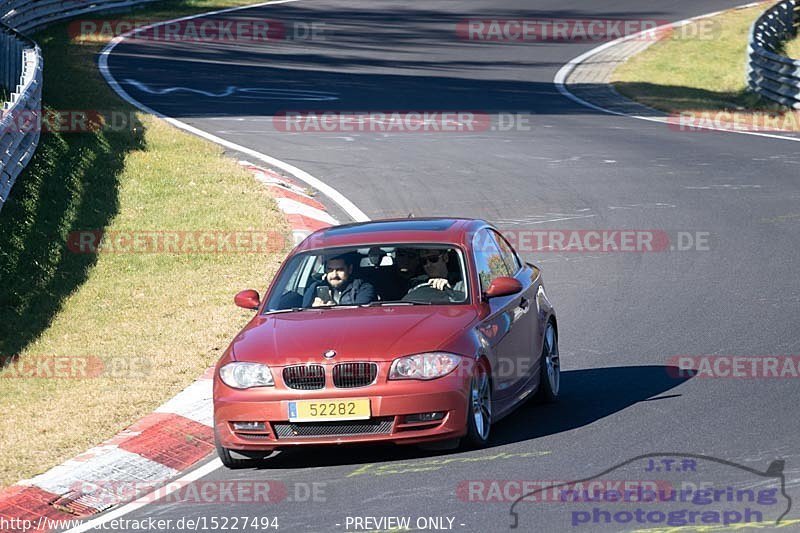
{"x": 437, "y": 230}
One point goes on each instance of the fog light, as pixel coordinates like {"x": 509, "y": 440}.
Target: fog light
{"x": 249, "y": 426}
{"x": 424, "y": 417}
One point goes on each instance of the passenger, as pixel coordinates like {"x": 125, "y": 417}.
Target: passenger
{"x": 337, "y": 287}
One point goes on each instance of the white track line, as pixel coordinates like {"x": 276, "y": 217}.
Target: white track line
{"x": 349, "y": 207}
{"x": 561, "y": 77}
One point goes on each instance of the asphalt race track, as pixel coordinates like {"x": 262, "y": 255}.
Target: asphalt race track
{"x": 623, "y": 317}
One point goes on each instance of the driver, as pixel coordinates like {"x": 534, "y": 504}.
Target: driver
{"x": 434, "y": 264}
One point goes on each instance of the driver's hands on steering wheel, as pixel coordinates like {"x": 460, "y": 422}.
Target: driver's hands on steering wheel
{"x": 439, "y": 284}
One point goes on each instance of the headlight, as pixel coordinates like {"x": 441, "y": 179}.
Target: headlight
{"x": 246, "y": 375}
{"x": 424, "y": 366}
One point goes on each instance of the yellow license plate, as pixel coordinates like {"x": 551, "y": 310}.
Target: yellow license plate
{"x": 315, "y": 410}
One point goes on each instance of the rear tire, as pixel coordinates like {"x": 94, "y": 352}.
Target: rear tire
{"x": 550, "y": 367}
{"x": 479, "y": 409}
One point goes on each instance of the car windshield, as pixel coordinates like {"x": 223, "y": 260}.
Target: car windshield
{"x": 392, "y": 274}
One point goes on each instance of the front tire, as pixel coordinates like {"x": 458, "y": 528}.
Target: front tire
{"x": 235, "y": 460}
{"x": 479, "y": 412}
{"x": 550, "y": 367}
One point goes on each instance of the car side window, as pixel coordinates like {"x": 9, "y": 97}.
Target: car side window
{"x": 512, "y": 261}
{"x": 488, "y": 258}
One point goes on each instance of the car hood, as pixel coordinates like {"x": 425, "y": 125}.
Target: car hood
{"x": 376, "y": 334}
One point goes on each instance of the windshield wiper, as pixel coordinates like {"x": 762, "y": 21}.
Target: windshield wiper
{"x": 397, "y": 302}
{"x": 319, "y": 308}
{"x": 348, "y": 306}
{"x": 290, "y": 310}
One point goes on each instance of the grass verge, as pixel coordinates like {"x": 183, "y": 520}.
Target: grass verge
{"x": 155, "y": 321}
{"x": 704, "y": 72}
{"x": 792, "y": 48}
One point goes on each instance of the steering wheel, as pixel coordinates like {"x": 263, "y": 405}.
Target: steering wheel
{"x": 425, "y": 293}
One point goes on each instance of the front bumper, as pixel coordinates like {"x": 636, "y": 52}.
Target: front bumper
{"x": 390, "y": 402}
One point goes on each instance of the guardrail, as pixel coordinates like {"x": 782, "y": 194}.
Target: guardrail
{"x": 21, "y": 75}
{"x": 21, "y": 64}
{"x": 769, "y": 73}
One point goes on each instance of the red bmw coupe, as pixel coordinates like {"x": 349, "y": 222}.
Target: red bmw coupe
{"x": 408, "y": 331}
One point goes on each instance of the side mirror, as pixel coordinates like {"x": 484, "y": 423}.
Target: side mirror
{"x": 247, "y": 299}
{"x": 503, "y": 286}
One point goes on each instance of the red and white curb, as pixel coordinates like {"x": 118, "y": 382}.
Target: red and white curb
{"x": 149, "y": 453}
{"x": 160, "y": 446}
{"x": 304, "y": 213}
